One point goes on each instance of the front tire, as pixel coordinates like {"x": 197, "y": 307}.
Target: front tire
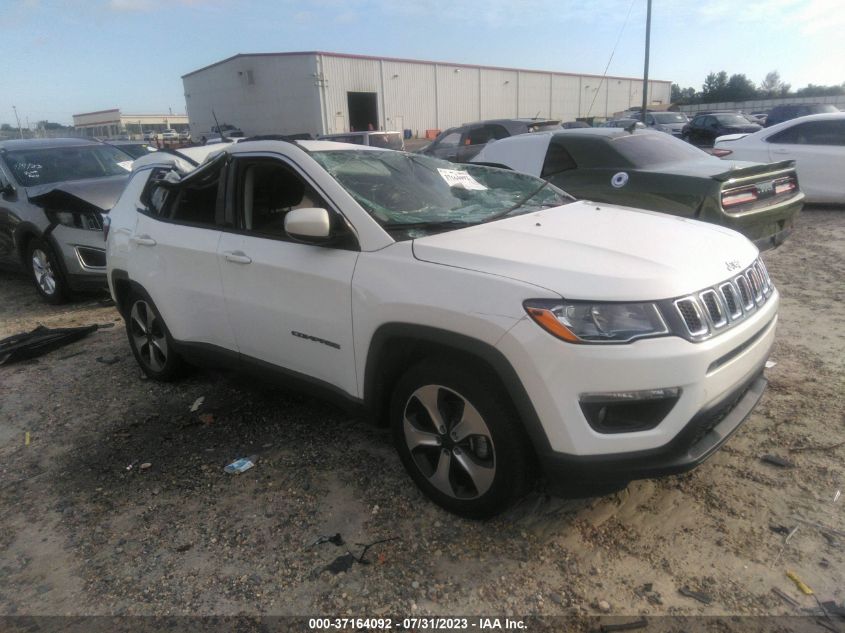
{"x": 458, "y": 438}
{"x": 45, "y": 272}
{"x": 151, "y": 342}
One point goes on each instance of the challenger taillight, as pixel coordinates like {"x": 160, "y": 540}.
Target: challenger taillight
{"x": 739, "y": 196}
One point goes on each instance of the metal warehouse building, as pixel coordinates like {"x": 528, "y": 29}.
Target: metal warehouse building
{"x": 321, "y": 93}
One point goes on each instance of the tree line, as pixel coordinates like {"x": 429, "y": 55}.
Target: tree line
{"x": 719, "y": 87}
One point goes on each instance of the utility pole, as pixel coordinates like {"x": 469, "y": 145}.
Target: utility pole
{"x": 18, "y": 119}
{"x": 645, "y": 71}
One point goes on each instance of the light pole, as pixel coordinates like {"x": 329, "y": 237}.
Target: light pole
{"x": 18, "y": 119}
{"x": 645, "y": 71}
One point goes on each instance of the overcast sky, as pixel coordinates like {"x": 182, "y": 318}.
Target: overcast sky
{"x": 73, "y": 56}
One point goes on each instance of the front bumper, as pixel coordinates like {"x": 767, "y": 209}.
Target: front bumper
{"x": 82, "y": 255}
{"x": 703, "y": 435}
{"x": 720, "y": 381}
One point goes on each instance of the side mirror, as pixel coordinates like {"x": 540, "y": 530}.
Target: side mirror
{"x": 6, "y": 188}
{"x": 311, "y": 225}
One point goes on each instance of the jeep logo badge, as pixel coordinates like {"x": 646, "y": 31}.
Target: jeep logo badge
{"x": 733, "y": 265}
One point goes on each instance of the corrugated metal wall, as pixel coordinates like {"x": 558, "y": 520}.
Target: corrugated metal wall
{"x": 424, "y": 95}
{"x": 259, "y": 94}
{"x": 291, "y": 93}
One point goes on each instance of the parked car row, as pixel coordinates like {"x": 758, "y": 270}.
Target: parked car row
{"x": 556, "y": 302}
{"x": 654, "y": 171}
{"x": 816, "y": 143}
{"x": 501, "y": 327}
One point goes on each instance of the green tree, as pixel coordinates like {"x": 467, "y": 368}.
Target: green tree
{"x": 739, "y": 88}
{"x": 714, "y": 87}
{"x": 811, "y": 90}
{"x": 682, "y": 95}
{"x": 773, "y": 86}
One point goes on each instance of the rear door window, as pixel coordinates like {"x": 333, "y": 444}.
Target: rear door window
{"x": 198, "y": 198}
{"x": 812, "y": 133}
{"x": 558, "y": 159}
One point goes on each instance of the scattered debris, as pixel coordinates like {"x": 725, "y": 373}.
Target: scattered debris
{"x": 206, "y": 418}
{"x": 799, "y": 583}
{"x": 696, "y": 595}
{"x": 783, "y": 547}
{"x": 786, "y": 598}
{"x": 108, "y": 360}
{"x": 777, "y": 461}
{"x": 778, "y": 529}
{"x": 334, "y": 539}
{"x": 828, "y": 447}
{"x": 831, "y": 540}
{"x": 26, "y": 439}
{"x": 361, "y": 558}
{"x": 624, "y": 626}
{"x": 39, "y": 341}
{"x": 184, "y": 547}
{"x": 824, "y": 563}
{"x": 241, "y": 465}
{"x": 345, "y": 562}
{"x": 830, "y": 606}
{"x": 145, "y": 466}
{"x": 604, "y": 606}
{"x": 770, "y": 364}
{"x": 837, "y": 495}
{"x": 197, "y": 404}
{"x": 820, "y": 527}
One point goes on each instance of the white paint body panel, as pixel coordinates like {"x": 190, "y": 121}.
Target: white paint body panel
{"x": 821, "y": 168}
{"x": 471, "y": 282}
{"x": 599, "y": 252}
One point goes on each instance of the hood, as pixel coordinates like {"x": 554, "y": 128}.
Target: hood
{"x": 596, "y": 252}
{"x": 97, "y": 194}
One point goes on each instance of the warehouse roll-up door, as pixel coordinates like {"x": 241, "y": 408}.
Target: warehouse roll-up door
{"x": 363, "y": 111}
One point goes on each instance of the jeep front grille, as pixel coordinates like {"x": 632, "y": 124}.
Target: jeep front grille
{"x": 714, "y": 309}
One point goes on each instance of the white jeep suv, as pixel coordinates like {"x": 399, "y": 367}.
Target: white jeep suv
{"x": 491, "y": 320}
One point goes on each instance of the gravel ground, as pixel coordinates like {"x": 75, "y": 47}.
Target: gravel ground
{"x": 119, "y": 504}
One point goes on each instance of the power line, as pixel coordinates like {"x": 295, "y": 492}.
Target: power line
{"x": 612, "y": 53}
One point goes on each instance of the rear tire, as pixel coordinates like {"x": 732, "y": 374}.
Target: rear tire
{"x": 46, "y": 273}
{"x": 458, "y": 438}
{"x": 150, "y": 340}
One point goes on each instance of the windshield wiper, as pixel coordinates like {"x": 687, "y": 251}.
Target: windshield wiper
{"x": 502, "y": 214}
{"x": 402, "y": 226}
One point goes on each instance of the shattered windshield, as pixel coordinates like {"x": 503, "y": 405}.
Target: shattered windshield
{"x": 412, "y": 195}
{"x": 43, "y": 166}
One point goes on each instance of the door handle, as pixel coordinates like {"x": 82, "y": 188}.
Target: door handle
{"x": 142, "y": 240}
{"x": 237, "y": 257}
{"x": 780, "y": 151}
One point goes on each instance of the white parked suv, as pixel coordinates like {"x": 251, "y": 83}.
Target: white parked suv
{"x": 491, "y": 320}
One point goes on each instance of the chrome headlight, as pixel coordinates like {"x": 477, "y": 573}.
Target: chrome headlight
{"x": 597, "y": 322}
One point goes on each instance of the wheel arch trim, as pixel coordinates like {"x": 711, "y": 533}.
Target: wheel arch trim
{"x": 374, "y": 390}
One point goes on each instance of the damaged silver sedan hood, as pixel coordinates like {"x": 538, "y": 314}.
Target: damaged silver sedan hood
{"x": 96, "y": 194}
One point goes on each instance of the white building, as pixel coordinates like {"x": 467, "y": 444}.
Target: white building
{"x": 111, "y": 123}
{"x": 318, "y": 93}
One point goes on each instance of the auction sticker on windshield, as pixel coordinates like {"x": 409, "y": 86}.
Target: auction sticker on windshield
{"x": 456, "y": 178}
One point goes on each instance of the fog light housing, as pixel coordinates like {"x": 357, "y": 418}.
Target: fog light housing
{"x": 628, "y": 411}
